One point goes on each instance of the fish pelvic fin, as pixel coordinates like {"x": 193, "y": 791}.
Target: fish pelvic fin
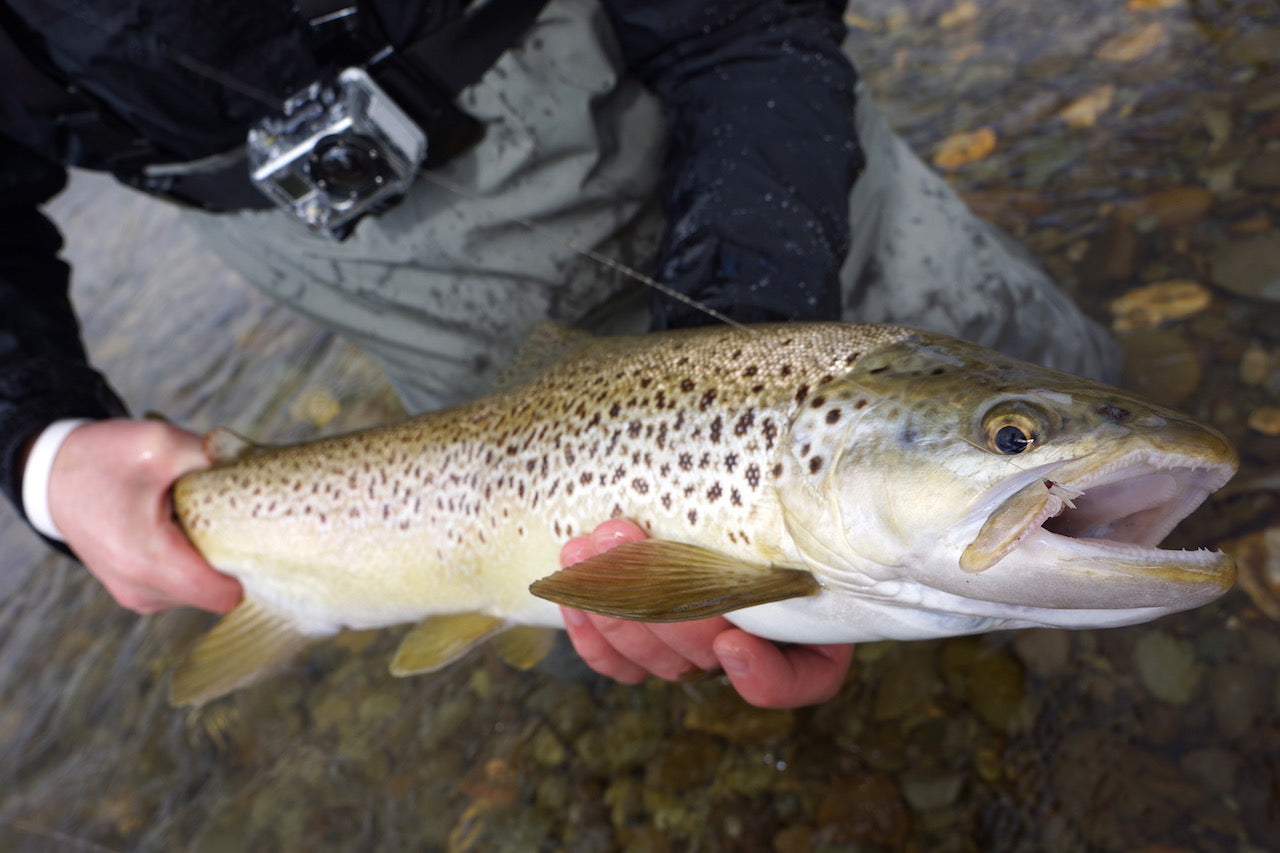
{"x": 438, "y": 641}
{"x": 660, "y": 581}
{"x": 524, "y": 646}
{"x": 248, "y": 644}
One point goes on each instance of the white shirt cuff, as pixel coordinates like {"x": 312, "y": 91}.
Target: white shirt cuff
{"x": 35, "y": 477}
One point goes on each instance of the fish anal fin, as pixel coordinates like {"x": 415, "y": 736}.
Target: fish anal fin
{"x": 542, "y": 347}
{"x": 224, "y": 446}
{"x": 438, "y": 641}
{"x": 659, "y": 581}
{"x": 248, "y": 644}
{"x": 524, "y": 646}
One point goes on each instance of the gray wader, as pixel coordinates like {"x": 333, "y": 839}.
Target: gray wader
{"x": 441, "y": 288}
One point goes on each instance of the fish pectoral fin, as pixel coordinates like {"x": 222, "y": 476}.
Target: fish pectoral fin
{"x": 438, "y": 641}
{"x": 524, "y": 646}
{"x": 223, "y": 446}
{"x": 248, "y": 644}
{"x": 659, "y": 581}
{"x": 1005, "y": 527}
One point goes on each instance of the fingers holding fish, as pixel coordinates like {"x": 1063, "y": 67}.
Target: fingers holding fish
{"x": 606, "y": 535}
{"x": 630, "y": 652}
{"x": 109, "y": 496}
{"x": 627, "y": 651}
{"x": 769, "y": 675}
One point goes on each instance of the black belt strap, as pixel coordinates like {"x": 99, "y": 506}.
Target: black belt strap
{"x": 423, "y": 77}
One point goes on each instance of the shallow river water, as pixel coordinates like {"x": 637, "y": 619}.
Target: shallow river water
{"x": 1127, "y": 145}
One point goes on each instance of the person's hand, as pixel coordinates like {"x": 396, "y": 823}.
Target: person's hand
{"x": 764, "y": 674}
{"x": 109, "y": 495}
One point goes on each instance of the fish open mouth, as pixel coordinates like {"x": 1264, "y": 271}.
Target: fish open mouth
{"x": 1114, "y": 515}
{"x": 1123, "y": 511}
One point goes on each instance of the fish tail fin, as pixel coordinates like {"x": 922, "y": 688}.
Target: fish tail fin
{"x": 248, "y": 644}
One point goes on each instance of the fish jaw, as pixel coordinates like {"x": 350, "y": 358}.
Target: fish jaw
{"x": 1094, "y": 540}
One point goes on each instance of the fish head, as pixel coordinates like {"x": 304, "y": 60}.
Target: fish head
{"x": 959, "y": 470}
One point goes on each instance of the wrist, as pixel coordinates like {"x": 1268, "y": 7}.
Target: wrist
{"x": 36, "y": 472}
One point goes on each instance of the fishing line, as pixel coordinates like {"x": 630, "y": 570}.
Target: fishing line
{"x": 598, "y": 257}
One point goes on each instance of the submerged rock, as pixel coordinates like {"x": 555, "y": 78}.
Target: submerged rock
{"x": 1155, "y": 304}
{"x": 1249, "y": 266}
{"x": 1166, "y": 667}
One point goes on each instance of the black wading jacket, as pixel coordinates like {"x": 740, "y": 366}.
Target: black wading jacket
{"x": 758, "y": 98}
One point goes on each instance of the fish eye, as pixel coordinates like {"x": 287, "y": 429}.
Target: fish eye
{"x": 1012, "y": 439}
{"x": 1014, "y": 427}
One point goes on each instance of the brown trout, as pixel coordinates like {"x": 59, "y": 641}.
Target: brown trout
{"x": 819, "y": 482}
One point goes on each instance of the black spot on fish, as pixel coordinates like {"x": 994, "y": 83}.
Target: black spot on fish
{"x": 815, "y": 464}
{"x": 713, "y": 493}
{"x": 687, "y": 385}
{"x": 693, "y": 516}
{"x": 833, "y": 416}
{"x": 770, "y": 433}
{"x": 818, "y": 402}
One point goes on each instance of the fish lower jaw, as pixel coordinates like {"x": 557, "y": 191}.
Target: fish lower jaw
{"x": 1127, "y": 558}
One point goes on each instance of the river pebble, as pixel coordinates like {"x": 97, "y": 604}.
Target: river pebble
{"x": 1249, "y": 266}
{"x": 866, "y": 809}
{"x": 1166, "y": 666}
{"x": 1154, "y": 304}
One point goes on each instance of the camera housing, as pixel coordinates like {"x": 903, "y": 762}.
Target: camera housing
{"x": 336, "y": 153}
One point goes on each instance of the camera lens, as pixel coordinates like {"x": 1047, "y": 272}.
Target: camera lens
{"x": 346, "y": 164}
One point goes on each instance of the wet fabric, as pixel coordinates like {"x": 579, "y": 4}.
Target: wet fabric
{"x": 442, "y": 289}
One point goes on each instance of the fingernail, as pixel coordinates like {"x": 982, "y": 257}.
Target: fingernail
{"x": 574, "y": 618}
{"x": 733, "y": 664}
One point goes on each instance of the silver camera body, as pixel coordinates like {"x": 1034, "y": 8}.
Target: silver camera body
{"x": 336, "y": 153}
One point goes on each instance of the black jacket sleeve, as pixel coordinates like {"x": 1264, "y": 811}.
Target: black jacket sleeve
{"x": 759, "y": 102}
{"x": 44, "y": 375}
